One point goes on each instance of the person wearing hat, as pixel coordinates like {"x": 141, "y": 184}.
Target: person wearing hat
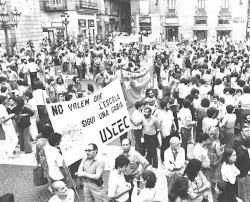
{"x": 11, "y": 139}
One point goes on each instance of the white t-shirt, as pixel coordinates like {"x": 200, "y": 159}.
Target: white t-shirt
{"x": 229, "y": 172}
{"x": 33, "y": 67}
{"x": 40, "y": 96}
{"x": 54, "y": 160}
{"x": 70, "y": 197}
{"x": 137, "y": 117}
{"x": 117, "y": 184}
{"x": 201, "y": 154}
{"x": 166, "y": 119}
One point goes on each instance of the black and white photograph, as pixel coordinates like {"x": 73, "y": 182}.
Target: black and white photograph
{"x": 124, "y": 100}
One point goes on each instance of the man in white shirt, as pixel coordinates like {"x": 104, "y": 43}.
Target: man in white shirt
{"x": 137, "y": 117}
{"x": 11, "y": 139}
{"x": 33, "y": 69}
{"x": 174, "y": 160}
{"x": 54, "y": 158}
{"x": 166, "y": 121}
{"x": 186, "y": 124}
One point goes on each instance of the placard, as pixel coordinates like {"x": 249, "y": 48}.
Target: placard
{"x": 99, "y": 118}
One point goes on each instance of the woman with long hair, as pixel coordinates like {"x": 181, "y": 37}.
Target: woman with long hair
{"x": 198, "y": 184}
{"x": 149, "y": 193}
{"x": 229, "y": 174}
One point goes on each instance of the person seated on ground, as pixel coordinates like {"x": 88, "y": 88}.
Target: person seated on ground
{"x": 62, "y": 193}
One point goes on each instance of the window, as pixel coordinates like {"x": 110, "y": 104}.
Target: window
{"x": 171, "y": 6}
{"x": 200, "y": 22}
{"x": 56, "y": 2}
{"x": 201, "y": 5}
{"x": 222, "y": 21}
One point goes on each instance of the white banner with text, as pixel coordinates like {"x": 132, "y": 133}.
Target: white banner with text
{"x": 99, "y": 118}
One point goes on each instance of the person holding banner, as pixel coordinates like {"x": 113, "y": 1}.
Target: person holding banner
{"x": 90, "y": 173}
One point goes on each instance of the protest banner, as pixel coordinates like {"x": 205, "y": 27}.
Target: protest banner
{"x": 135, "y": 83}
{"x": 99, "y": 118}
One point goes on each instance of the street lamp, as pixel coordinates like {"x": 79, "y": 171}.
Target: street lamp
{"x": 8, "y": 20}
{"x": 65, "y": 21}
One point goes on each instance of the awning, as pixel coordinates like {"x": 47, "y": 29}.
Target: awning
{"x": 171, "y": 24}
{"x": 224, "y": 27}
{"x": 200, "y": 27}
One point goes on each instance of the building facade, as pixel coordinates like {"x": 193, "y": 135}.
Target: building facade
{"x": 87, "y": 18}
{"x": 202, "y": 19}
{"x": 29, "y": 26}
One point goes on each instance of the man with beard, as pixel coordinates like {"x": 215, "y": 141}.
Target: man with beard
{"x": 150, "y": 131}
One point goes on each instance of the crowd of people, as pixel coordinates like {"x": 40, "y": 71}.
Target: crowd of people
{"x": 197, "y": 115}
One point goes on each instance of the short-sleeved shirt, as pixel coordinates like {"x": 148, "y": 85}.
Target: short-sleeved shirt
{"x": 137, "y": 117}
{"x": 166, "y": 119}
{"x": 54, "y": 161}
{"x": 201, "y": 154}
{"x": 136, "y": 159}
{"x": 91, "y": 166}
{"x": 185, "y": 117}
{"x": 117, "y": 185}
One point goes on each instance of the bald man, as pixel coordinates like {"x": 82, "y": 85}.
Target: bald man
{"x": 174, "y": 160}
{"x": 62, "y": 193}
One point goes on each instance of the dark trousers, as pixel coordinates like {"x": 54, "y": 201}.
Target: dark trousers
{"x": 33, "y": 75}
{"x": 137, "y": 133}
{"x": 25, "y": 140}
{"x": 185, "y": 136}
{"x": 164, "y": 146}
{"x": 158, "y": 75}
{"x": 151, "y": 143}
{"x": 81, "y": 71}
{"x": 130, "y": 179}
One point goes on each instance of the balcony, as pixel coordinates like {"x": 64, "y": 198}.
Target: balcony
{"x": 87, "y": 5}
{"x": 171, "y": 13}
{"x": 200, "y": 12}
{"x": 53, "y": 5}
{"x": 225, "y": 12}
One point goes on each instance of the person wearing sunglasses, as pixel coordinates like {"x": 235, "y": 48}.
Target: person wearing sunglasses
{"x": 90, "y": 173}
